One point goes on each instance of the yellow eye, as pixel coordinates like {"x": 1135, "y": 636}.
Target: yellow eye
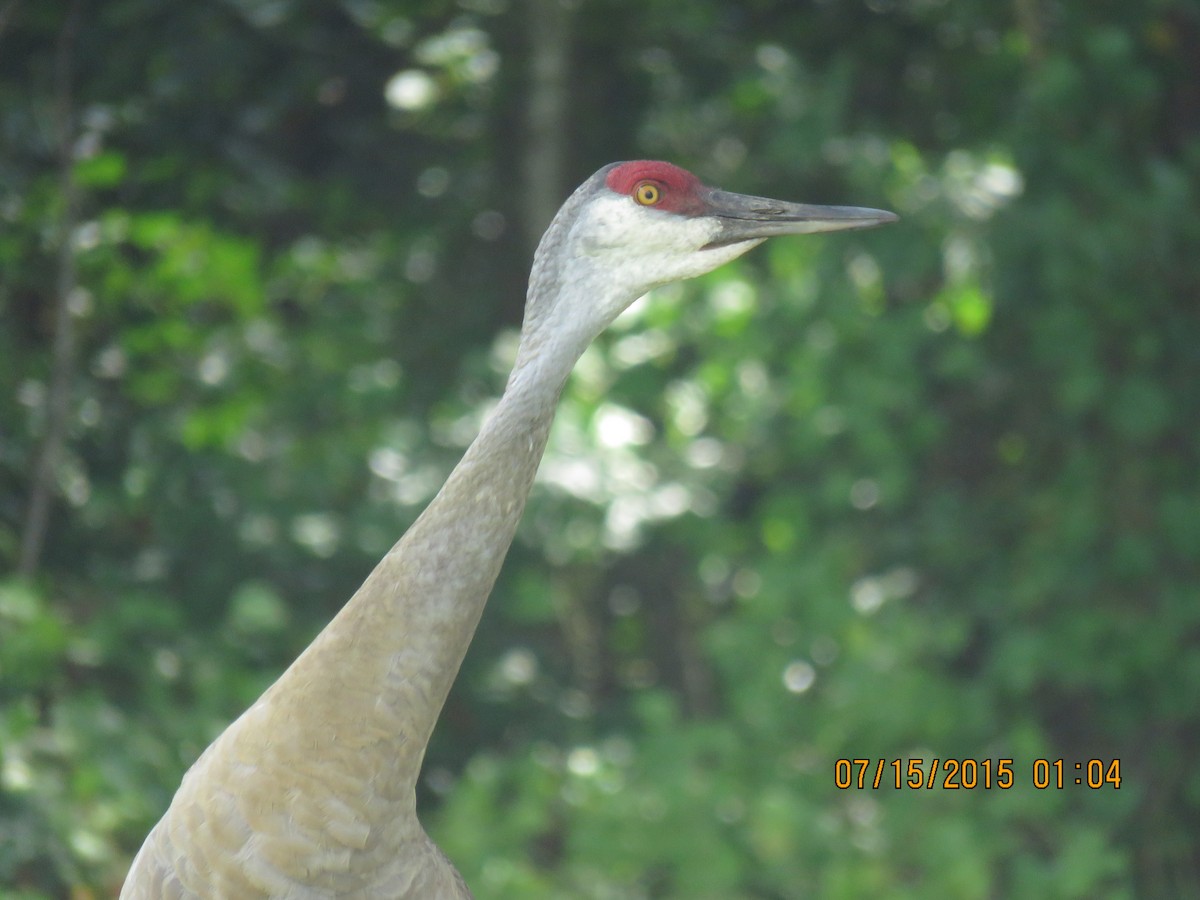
{"x": 647, "y": 193}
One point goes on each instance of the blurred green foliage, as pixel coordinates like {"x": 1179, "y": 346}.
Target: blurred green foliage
{"x": 925, "y": 492}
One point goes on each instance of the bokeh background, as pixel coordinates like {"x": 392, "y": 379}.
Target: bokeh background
{"x": 927, "y": 491}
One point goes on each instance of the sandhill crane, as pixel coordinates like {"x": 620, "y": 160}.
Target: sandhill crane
{"x": 310, "y": 793}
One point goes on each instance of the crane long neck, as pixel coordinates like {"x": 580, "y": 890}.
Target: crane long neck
{"x": 386, "y": 662}
{"x": 450, "y": 558}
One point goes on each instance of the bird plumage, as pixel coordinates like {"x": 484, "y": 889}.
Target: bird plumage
{"x": 310, "y": 793}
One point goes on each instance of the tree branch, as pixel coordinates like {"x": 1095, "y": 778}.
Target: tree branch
{"x": 547, "y": 115}
{"x": 58, "y": 396}
{"x": 7, "y": 13}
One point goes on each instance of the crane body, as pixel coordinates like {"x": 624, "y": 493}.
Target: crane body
{"x": 310, "y": 793}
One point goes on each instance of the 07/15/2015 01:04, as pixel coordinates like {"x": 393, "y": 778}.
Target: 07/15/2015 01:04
{"x": 969, "y": 774}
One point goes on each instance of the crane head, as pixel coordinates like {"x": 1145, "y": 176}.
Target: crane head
{"x": 636, "y": 225}
{"x": 725, "y": 219}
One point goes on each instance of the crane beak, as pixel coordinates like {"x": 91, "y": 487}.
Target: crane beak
{"x": 745, "y": 218}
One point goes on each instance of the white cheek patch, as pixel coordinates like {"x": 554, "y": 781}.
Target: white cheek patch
{"x": 603, "y": 225}
{"x": 687, "y": 235}
{"x": 619, "y": 250}
{"x": 617, "y": 222}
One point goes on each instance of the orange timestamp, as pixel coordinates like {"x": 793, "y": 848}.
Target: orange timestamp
{"x": 971, "y": 774}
